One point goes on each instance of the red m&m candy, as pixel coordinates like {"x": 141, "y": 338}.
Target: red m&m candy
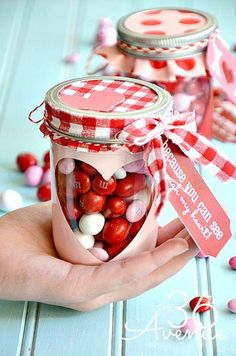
{"x": 46, "y": 157}
{"x": 115, "y": 230}
{"x": 44, "y": 192}
{"x": 82, "y": 183}
{"x": 114, "y": 249}
{"x": 130, "y": 185}
{"x": 91, "y": 202}
{"x": 104, "y": 187}
{"x": 203, "y": 302}
{"x": 91, "y": 171}
{"x": 136, "y": 226}
{"x": 115, "y": 206}
{"x": 26, "y": 160}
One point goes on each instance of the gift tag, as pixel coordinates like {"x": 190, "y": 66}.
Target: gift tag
{"x": 195, "y": 204}
{"x": 222, "y": 66}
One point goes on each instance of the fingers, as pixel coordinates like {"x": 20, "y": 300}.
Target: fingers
{"x": 86, "y": 282}
{"x": 169, "y": 231}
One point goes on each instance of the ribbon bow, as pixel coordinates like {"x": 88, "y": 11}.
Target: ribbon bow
{"x": 181, "y": 130}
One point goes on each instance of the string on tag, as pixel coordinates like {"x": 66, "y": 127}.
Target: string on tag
{"x": 31, "y": 112}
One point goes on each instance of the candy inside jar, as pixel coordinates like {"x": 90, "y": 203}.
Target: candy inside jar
{"x": 105, "y": 215}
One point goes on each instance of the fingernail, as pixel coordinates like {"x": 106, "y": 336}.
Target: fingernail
{"x": 182, "y": 245}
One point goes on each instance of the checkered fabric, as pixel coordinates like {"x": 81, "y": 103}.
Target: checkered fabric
{"x": 145, "y": 134}
{"x": 137, "y": 97}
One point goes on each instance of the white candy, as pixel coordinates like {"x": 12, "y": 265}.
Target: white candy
{"x": 10, "y": 200}
{"x": 91, "y": 224}
{"x": 87, "y": 241}
{"x": 120, "y": 173}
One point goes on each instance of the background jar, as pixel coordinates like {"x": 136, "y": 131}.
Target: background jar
{"x": 167, "y": 46}
{"x": 103, "y": 198}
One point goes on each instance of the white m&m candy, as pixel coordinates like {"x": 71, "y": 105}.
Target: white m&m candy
{"x": 91, "y": 224}
{"x": 87, "y": 241}
{"x": 10, "y": 200}
{"x": 120, "y": 173}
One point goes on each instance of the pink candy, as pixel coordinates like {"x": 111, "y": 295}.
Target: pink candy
{"x": 66, "y": 165}
{"x": 182, "y": 102}
{"x": 135, "y": 166}
{"x": 99, "y": 253}
{"x": 232, "y": 262}
{"x": 232, "y": 305}
{"x": 135, "y": 211}
{"x": 46, "y": 177}
{"x": 33, "y": 176}
{"x": 191, "y": 326}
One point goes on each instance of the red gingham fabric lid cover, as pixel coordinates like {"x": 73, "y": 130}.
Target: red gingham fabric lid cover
{"x": 98, "y": 108}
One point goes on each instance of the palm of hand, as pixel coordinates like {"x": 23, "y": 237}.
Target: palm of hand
{"x": 30, "y": 268}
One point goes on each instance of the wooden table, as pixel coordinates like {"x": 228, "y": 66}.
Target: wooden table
{"x": 36, "y": 35}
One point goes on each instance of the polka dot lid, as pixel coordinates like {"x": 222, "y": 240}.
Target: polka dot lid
{"x": 99, "y": 107}
{"x": 169, "y": 31}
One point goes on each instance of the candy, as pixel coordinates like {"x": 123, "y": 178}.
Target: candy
{"x": 73, "y": 210}
{"x": 99, "y": 253}
{"x": 115, "y": 206}
{"x": 91, "y": 202}
{"x": 204, "y": 304}
{"x": 115, "y": 230}
{"x": 120, "y": 173}
{"x": 199, "y": 106}
{"x": 232, "y": 262}
{"x": 45, "y": 167}
{"x": 193, "y": 87}
{"x": 99, "y": 244}
{"x": 104, "y": 187}
{"x": 181, "y": 102}
{"x": 46, "y": 157}
{"x": 25, "y": 160}
{"x": 114, "y": 249}
{"x": 33, "y": 176}
{"x": 91, "y": 224}
{"x": 72, "y": 58}
{"x": 87, "y": 241}
{"x": 44, "y": 192}
{"x": 130, "y": 185}
{"x": 91, "y": 171}
{"x": 10, "y": 200}
{"x": 82, "y": 183}
{"x": 191, "y": 326}
{"x": 66, "y": 165}
{"x": 135, "y": 227}
{"x": 46, "y": 177}
{"x": 232, "y": 305}
{"x": 134, "y": 166}
{"x": 135, "y": 211}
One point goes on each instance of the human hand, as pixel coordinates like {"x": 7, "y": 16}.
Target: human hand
{"x": 30, "y": 268}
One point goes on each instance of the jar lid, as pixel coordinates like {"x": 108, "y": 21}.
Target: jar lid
{"x": 165, "y": 33}
{"x": 98, "y": 108}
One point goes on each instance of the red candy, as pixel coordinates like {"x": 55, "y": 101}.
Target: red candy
{"x": 46, "y": 166}
{"x": 91, "y": 202}
{"x": 204, "y": 304}
{"x": 135, "y": 227}
{"x": 115, "y": 230}
{"x": 114, "y": 249}
{"x": 91, "y": 171}
{"x": 46, "y": 158}
{"x": 115, "y": 207}
{"x": 44, "y": 192}
{"x": 82, "y": 183}
{"x": 130, "y": 185}
{"x": 104, "y": 187}
{"x": 26, "y": 160}
{"x": 73, "y": 210}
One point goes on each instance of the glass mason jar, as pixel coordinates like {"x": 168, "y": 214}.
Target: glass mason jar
{"x": 167, "y": 46}
{"x": 104, "y": 200}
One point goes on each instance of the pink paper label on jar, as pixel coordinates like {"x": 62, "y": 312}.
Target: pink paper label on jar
{"x": 196, "y": 206}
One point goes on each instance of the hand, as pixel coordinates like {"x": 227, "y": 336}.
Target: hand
{"x": 30, "y": 268}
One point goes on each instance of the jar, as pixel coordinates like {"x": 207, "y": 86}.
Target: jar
{"x": 167, "y": 46}
{"x": 104, "y": 200}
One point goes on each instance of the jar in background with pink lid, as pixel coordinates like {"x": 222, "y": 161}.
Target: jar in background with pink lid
{"x": 167, "y": 46}
{"x": 104, "y": 200}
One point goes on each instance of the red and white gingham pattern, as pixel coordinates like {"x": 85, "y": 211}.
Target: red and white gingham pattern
{"x": 145, "y": 134}
{"x": 137, "y": 97}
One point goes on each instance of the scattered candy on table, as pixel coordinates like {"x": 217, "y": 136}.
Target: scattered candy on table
{"x": 44, "y": 192}
{"x": 191, "y": 326}
{"x": 232, "y": 305}
{"x": 10, "y": 200}
{"x": 203, "y": 303}
{"x": 25, "y": 160}
{"x": 33, "y": 176}
{"x": 232, "y": 262}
